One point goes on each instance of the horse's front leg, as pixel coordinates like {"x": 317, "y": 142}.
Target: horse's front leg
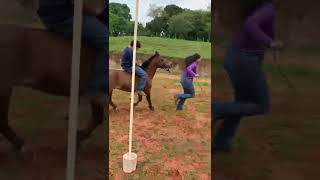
{"x": 149, "y": 101}
{"x": 98, "y": 115}
{"x": 5, "y": 129}
{"x": 139, "y": 100}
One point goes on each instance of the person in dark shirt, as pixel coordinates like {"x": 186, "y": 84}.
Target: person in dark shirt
{"x": 243, "y": 63}
{"x": 57, "y": 16}
{"x": 126, "y": 64}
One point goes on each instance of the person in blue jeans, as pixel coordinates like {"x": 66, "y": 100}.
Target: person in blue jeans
{"x": 243, "y": 64}
{"x": 57, "y": 16}
{"x": 126, "y": 64}
{"x": 186, "y": 81}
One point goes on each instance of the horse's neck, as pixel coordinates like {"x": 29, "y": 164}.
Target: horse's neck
{"x": 152, "y": 69}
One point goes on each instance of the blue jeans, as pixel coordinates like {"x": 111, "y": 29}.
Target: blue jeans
{"x": 143, "y": 77}
{"x": 251, "y": 94}
{"x": 188, "y": 89}
{"x": 95, "y": 33}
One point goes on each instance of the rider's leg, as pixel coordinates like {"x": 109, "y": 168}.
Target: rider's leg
{"x": 96, "y": 34}
{"x": 143, "y": 79}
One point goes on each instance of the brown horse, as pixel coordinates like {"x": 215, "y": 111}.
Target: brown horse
{"x": 40, "y": 60}
{"x": 121, "y": 80}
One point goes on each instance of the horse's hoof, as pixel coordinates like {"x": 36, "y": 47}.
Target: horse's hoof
{"x": 116, "y": 110}
{"x": 151, "y": 108}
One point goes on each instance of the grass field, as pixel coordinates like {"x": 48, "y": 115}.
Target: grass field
{"x": 167, "y": 47}
{"x": 283, "y": 144}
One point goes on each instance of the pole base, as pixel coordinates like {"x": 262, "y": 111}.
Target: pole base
{"x": 129, "y": 162}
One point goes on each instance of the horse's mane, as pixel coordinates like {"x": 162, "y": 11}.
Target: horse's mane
{"x": 146, "y": 64}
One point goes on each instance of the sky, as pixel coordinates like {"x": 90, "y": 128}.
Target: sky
{"x": 145, "y": 5}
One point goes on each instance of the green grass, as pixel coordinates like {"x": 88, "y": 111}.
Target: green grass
{"x": 167, "y": 47}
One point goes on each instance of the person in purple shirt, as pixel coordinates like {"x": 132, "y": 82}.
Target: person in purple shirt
{"x": 243, "y": 63}
{"x": 186, "y": 81}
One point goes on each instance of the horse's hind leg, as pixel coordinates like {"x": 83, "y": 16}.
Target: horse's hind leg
{"x": 149, "y": 102}
{"x": 111, "y": 102}
{"x": 139, "y": 100}
{"x": 5, "y": 129}
{"x": 98, "y": 115}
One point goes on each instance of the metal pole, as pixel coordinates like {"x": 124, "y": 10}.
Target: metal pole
{"x": 74, "y": 90}
{"x": 133, "y": 72}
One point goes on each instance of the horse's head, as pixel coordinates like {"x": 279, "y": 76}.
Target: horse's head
{"x": 162, "y": 63}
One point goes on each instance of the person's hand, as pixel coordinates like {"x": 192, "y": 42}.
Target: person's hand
{"x": 197, "y": 75}
{"x": 276, "y": 45}
{"x": 94, "y": 8}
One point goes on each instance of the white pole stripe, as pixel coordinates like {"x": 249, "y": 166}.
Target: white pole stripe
{"x": 133, "y": 72}
{"x": 74, "y": 90}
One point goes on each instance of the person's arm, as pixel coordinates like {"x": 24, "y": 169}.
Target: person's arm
{"x": 252, "y": 24}
{"x": 190, "y": 69}
{"x": 130, "y": 55}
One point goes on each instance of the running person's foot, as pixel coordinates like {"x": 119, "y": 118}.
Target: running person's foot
{"x": 141, "y": 93}
{"x": 175, "y": 100}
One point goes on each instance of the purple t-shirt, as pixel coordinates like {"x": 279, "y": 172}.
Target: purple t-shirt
{"x": 258, "y": 30}
{"x": 191, "y": 71}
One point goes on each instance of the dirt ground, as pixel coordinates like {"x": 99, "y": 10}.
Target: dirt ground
{"x": 282, "y": 145}
{"x": 39, "y": 118}
{"x": 169, "y": 144}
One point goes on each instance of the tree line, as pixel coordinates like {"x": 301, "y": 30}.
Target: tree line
{"x": 170, "y": 21}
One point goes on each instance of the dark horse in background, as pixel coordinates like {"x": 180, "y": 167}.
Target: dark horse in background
{"x": 121, "y": 80}
{"x": 41, "y": 60}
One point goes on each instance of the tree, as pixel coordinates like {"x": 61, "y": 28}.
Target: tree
{"x": 112, "y": 20}
{"x": 141, "y": 29}
{"x": 119, "y": 19}
{"x": 155, "y": 11}
{"x": 161, "y": 18}
{"x": 172, "y": 10}
{"x": 121, "y": 10}
{"x": 157, "y": 25}
{"x": 181, "y": 23}
{"x": 180, "y": 26}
